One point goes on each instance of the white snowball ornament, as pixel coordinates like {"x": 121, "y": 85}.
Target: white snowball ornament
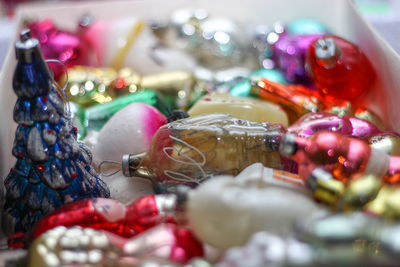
{"x": 129, "y": 131}
{"x": 225, "y": 211}
{"x": 128, "y": 190}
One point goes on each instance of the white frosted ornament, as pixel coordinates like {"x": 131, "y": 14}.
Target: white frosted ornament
{"x": 163, "y": 59}
{"x": 129, "y": 131}
{"x": 225, "y": 211}
{"x": 127, "y": 190}
{"x": 129, "y": 42}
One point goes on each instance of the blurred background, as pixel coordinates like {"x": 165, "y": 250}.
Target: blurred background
{"x": 384, "y": 15}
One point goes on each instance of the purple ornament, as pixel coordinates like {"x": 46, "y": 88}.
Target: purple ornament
{"x": 311, "y": 123}
{"x": 289, "y": 54}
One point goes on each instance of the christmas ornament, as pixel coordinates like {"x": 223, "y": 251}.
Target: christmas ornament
{"x": 346, "y": 108}
{"x": 339, "y": 68}
{"x": 216, "y": 77}
{"x": 130, "y": 130}
{"x": 387, "y": 141}
{"x": 378, "y": 205}
{"x": 268, "y": 249}
{"x": 89, "y": 86}
{"x": 242, "y": 87}
{"x": 98, "y": 115}
{"x": 127, "y": 190}
{"x": 368, "y": 115}
{"x": 289, "y": 53}
{"x": 150, "y": 210}
{"x": 240, "y": 107}
{"x": 297, "y": 100}
{"x": 270, "y": 74}
{"x": 68, "y": 47}
{"x": 258, "y": 199}
{"x": 353, "y": 228}
{"x": 129, "y": 42}
{"x": 178, "y": 86}
{"x": 111, "y": 215}
{"x": 52, "y": 168}
{"x": 78, "y": 246}
{"x": 220, "y": 81}
{"x": 306, "y": 26}
{"x": 313, "y": 122}
{"x": 215, "y": 42}
{"x": 386, "y": 203}
{"x": 360, "y": 189}
{"x": 353, "y": 239}
{"x": 341, "y": 108}
{"x": 263, "y": 37}
{"x": 189, "y": 151}
{"x": 343, "y": 156}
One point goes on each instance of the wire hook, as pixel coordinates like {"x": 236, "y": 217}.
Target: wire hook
{"x": 62, "y": 90}
{"x": 112, "y": 172}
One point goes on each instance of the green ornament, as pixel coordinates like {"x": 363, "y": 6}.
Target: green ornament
{"x": 98, "y": 115}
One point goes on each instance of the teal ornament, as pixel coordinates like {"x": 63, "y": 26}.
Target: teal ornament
{"x": 242, "y": 88}
{"x": 306, "y": 26}
{"x": 270, "y": 74}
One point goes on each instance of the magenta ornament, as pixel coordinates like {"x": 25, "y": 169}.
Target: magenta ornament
{"x": 313, "y": 122}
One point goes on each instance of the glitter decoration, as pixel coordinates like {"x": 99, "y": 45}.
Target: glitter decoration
{"x": 52, "y": 168}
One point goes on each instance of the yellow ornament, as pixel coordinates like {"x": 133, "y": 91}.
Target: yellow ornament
{"x": 244, "y": 108}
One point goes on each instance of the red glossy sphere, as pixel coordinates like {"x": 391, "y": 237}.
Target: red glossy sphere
{"x": 339, "y": 68}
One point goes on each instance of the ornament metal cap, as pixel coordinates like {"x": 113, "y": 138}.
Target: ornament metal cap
{"x": 177, "y": 115}
{"x": 318, "y": 174}
{"x": 288, "y": 145}
{"x": 327, "y": 52}
{"x": 125, "y": 165}
{"x": 27, "y": 49}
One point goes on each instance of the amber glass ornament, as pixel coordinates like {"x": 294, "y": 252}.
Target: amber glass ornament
{"x": 192, "y": 150}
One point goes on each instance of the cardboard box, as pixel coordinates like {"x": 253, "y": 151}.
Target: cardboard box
{"x": 340, "y": 16}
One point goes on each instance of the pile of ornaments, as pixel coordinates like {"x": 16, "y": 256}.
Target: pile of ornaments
{"x": 198, "y": 142}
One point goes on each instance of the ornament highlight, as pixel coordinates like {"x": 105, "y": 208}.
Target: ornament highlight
{"x": 52, "y": 168}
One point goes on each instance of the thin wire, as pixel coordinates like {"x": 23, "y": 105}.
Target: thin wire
{"x": 110, "y": 173}
{"x": 62, "y": 90}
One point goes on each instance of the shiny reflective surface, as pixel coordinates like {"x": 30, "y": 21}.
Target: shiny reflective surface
{"x": 110, "y": 215}
{"x": 345, "y": 73}
{"x": 193, "y": 149}
{"x": 78, "y": 246}
{"x": 311, "y": 123}
{"x": 245, "y": 108}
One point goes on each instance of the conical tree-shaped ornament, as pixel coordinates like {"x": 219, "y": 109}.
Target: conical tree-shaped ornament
{"x": 52, "y": 168}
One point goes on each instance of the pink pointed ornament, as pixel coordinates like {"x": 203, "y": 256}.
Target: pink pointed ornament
{"x": 130, "y": 130}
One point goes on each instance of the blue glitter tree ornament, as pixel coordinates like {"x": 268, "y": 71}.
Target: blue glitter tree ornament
{"x": 52, "y": 167}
